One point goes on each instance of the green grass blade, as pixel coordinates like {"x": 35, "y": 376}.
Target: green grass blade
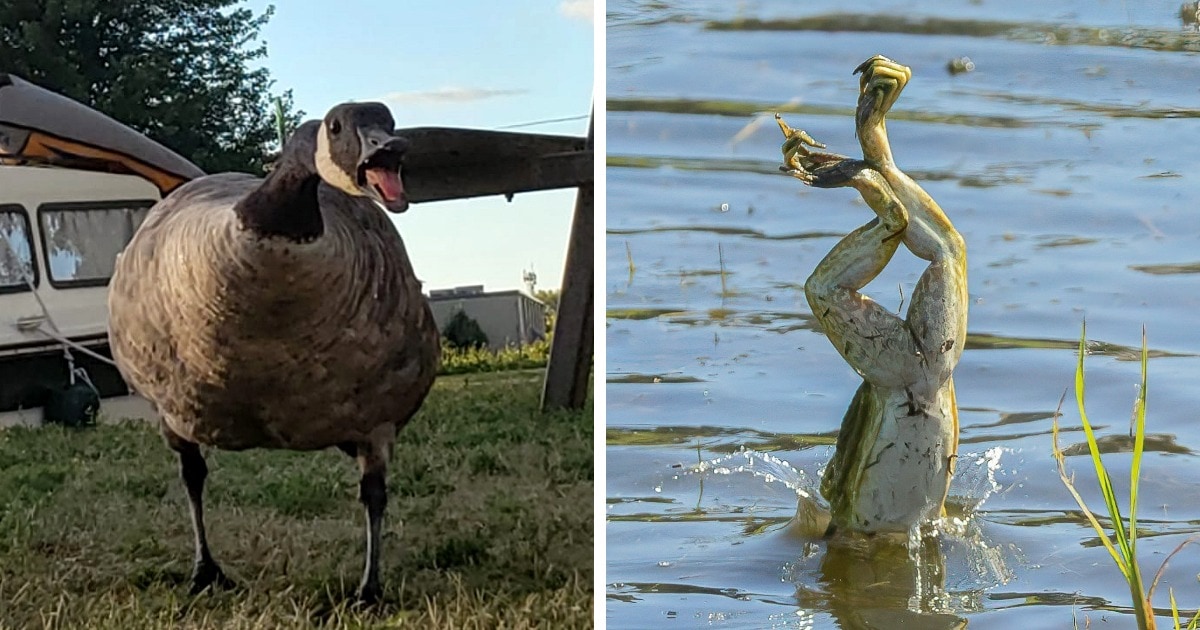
{"x": 1110, "y": 498}
{"x": 1141, "y": 600}
{"x": 1066, "y": 479}
{"x": 1139, "y": 445}
{"x": 1124, "y": 552}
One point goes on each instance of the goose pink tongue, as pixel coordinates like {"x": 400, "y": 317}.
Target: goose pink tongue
{"x": 388, "y": 182}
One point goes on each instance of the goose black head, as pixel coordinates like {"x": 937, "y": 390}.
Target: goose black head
{"x": 359, "y": 153}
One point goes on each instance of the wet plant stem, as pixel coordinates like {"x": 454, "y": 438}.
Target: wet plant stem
{"x": 721, "y": 260}
{"x": 629, "y": 258}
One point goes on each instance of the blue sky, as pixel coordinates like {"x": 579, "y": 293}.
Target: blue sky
{"x": 468, "y": 63}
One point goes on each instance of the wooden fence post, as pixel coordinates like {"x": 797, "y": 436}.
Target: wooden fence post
{"x": 571, "y": 350}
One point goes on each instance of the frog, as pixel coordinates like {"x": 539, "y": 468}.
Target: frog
{"x": 896, "y": 449}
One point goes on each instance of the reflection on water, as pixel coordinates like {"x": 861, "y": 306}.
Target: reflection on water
{"x": 873, "y": 585}
{"x": 1066, "y": 159}
{"x": 778, "y": 322}
{"x": 1161, "y": 39}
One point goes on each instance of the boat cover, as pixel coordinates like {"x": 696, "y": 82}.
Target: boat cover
{"x": 38, "y": 126}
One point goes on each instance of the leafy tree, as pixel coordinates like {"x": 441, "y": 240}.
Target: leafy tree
{"x": 178, "y": 71}
{"x": 550, "y": 298}
{"x": 463, "y": 332}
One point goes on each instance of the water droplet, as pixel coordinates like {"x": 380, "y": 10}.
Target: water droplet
{"x": 763, "y": 465}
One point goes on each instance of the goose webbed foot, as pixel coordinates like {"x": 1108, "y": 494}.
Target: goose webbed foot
{"x": 206, "y": 573}
{"x": 370, "y": 594}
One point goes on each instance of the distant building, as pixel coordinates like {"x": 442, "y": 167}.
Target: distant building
{"x": 508, "y": 318}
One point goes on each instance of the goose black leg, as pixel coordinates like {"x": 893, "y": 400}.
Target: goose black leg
{"x": 372, "y": 491}
{"x": 193, "y": 469}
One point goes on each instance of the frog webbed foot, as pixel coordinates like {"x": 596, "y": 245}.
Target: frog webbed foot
{"x": 880, "y": 85}
{"x": 831, "y": 174}
{"x": 815, "y": 168}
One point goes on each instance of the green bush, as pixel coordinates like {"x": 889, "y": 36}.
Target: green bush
{"x": 468, "y": 360}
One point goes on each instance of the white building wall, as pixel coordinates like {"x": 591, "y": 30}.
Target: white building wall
{"x": 506, "y": 317}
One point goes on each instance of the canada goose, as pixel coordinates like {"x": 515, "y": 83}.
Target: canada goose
{"x": 281, "y": 313}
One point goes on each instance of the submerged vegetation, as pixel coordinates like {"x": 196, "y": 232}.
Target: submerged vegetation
{"x": 489, "y": 524}
{"x": 1122, "y": 546}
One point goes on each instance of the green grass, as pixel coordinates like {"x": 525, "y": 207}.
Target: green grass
{"x": 1122, "y": 546}
{"x": 489, "y": 524}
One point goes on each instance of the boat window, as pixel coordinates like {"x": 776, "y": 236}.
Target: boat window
{"x": 16, "y": 250}
{"x": 82, "y": 240}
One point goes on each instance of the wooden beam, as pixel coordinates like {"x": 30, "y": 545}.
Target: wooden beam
{"x": 447, "y": 163}
{"x": 571, "y": 350}
{"x": 563, "y": 170}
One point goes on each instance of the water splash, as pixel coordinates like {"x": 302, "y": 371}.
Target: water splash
{"x": 977, "y": 477}
{"x": 946, "y": 567}
{"x": 765, "y": 466}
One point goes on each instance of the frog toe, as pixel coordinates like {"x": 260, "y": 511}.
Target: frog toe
{"x": 880, "y": 85}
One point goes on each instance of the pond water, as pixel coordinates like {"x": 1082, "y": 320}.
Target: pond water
{"x": 1067, "y": 159}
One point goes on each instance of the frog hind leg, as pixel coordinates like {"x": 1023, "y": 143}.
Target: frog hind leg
{"x": 873, "y": 340}
{"x": 936, "y": 317}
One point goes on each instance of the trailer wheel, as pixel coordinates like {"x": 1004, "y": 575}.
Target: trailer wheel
{"x": 72, "y": 405}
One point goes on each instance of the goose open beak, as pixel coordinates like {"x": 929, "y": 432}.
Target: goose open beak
{"x": 379, "y": 169}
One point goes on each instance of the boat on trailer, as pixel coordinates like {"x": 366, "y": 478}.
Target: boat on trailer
{"x": 74, "y": 187}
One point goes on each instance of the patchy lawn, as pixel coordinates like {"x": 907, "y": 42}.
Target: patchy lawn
{"x": 489, "y": 524}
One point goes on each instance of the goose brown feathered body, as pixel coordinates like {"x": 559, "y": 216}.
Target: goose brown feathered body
{"x": 281, "y": 313}
{"x": 243, "y": 341}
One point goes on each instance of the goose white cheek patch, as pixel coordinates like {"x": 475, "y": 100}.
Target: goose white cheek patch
{"x": 386, "y": 182}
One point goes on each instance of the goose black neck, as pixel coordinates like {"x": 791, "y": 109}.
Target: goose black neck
{"x": 286, "y": 204}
